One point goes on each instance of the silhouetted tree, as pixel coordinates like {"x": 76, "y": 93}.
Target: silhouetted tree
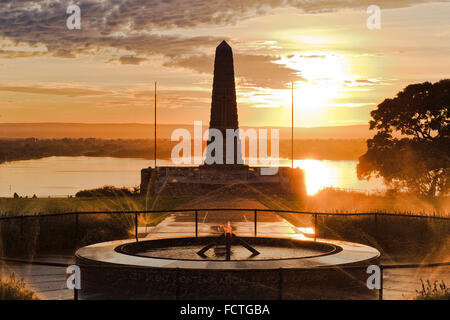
{"x": 411, "y": 148}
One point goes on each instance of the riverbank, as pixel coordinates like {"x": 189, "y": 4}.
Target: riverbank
{"x": 32, "y": 148}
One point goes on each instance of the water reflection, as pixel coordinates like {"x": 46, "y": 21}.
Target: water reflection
{"x": 320, "y": 174}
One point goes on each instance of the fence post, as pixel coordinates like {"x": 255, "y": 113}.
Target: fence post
{"x": 315, "y": 226}
{"x": 196, "y": 223}
{"x": 76, "y": 230}
{"x": 256, "y": 221}
{"x": 376, "y": 220}
{"x": 39, "y": 219}
{"x": 177, "y": 293}
{"x": 21, "y": 226}
{"x": 280, "y": 284}
{"x": 136, "y": 226}
{"x": 380, "y": 291}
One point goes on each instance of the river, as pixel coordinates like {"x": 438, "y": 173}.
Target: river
{"x": 63, "y": 176}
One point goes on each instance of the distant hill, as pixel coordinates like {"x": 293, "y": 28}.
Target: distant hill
{"x": 145, "y": 131}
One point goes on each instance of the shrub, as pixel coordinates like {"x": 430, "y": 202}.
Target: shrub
{"x": 13, "y": 289}
{"x": 433, "y": 291}
{"x": 106, "y": 191}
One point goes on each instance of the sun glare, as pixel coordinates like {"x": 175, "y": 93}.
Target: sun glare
{"x": 324, "y": 74}
{"x": 318, "y": 175}
{"x": 321, "y": 79}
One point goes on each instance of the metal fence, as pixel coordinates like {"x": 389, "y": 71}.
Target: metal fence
{"x": 137, "y": 213}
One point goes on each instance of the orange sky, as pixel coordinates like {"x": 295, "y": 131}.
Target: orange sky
{"x": 104, "y": 73}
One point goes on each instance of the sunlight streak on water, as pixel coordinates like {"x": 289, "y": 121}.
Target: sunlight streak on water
{"x": 320, "y": 174}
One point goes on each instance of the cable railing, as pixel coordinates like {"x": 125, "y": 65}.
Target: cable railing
{"x": 196, "y": 212}
{"x": 31, "y": 215}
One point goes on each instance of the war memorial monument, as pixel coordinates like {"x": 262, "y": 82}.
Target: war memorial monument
{"x": 227, "y": 168}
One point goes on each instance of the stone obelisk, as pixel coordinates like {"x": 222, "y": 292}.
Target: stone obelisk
{"x": 223, "y": 105}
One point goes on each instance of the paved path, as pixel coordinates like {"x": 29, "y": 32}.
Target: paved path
{"x": 243, "y": 223}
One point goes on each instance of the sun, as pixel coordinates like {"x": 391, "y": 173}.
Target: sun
{"x": 322, "y": 78}
{"x": 324, "y": 74}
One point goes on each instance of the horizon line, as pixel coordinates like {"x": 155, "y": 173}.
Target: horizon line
{"x": 173, "y": 124}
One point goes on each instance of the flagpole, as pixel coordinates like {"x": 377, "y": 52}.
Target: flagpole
{"x": 292, "y": 128}
{"x": 155, "y": 124}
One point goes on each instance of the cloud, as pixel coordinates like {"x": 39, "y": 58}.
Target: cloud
{"x": 13, "y": 54}
{"x": 62, "y": 53}
{"x": 366, "y": 81}
{"x": 132, "y": 24}
{"x": 312, "y": 56}
{"x": 137, "y": 97}
{"x": 131, "y": 60}
{"x": 253, "y": 70}
{"x": 130, "y": 31}
{"x": 119, "y": 25}
{"x": 167, "y": 99}
{"x": 69, "y": 92}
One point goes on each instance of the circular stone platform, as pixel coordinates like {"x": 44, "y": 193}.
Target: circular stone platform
{"x": 287, "y": 268}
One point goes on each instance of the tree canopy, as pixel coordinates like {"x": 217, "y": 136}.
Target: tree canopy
{"x": 411, "y": 149}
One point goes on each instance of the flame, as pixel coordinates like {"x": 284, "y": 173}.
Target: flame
{"x": 225, "y": 228}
